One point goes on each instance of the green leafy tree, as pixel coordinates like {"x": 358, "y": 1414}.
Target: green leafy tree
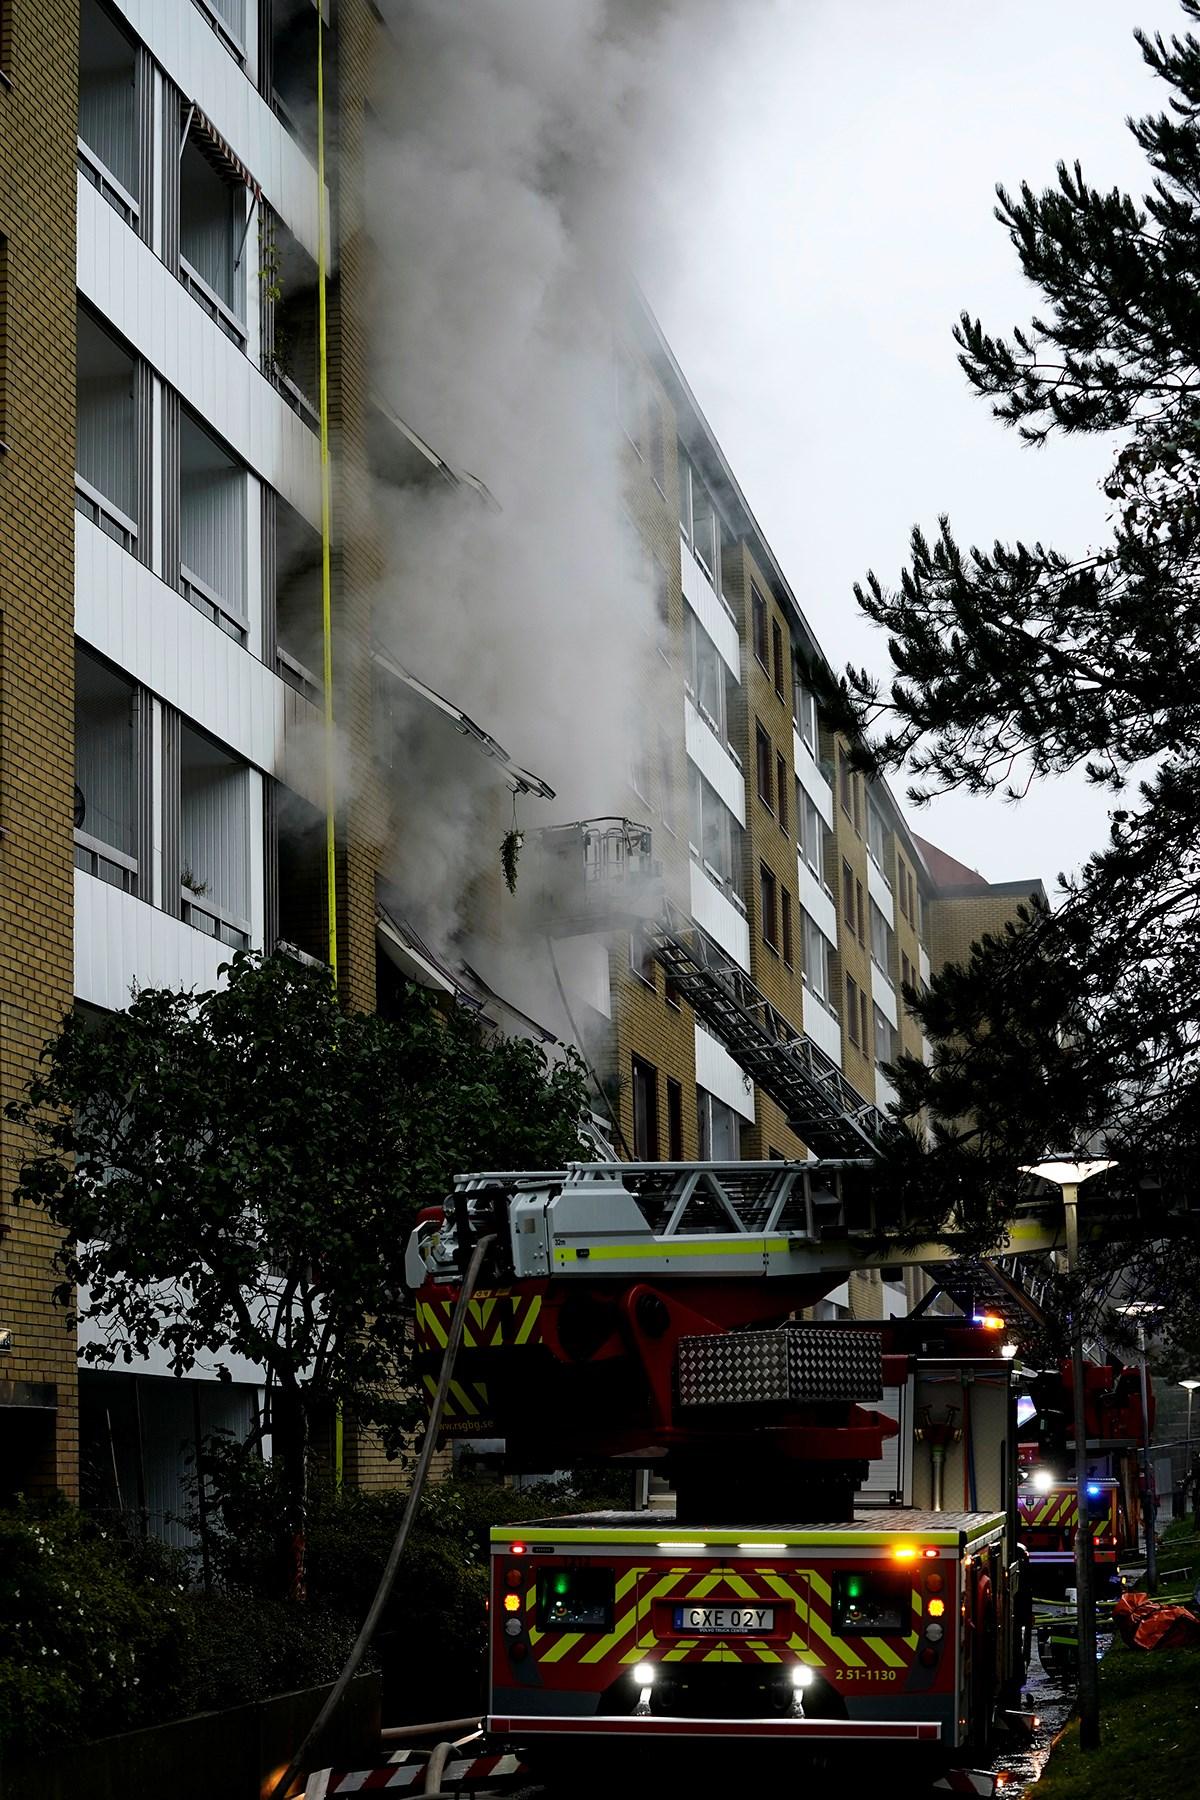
{"x": 1023, "y": 661}
{"x": 235, "y": 1173}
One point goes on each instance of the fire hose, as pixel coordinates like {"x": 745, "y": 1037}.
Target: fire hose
{"x": 387, "y": 1580}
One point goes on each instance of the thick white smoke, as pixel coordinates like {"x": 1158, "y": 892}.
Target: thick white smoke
{"x": 512, "y": 195}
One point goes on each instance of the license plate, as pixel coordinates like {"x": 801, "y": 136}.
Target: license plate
{"x": 724, "y": 1621}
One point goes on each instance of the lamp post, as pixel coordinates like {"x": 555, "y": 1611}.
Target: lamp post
{"x": 1138, "y": 1309}
{"x": 1069, "y": 1175}
{"x": 1191, "y": 1384}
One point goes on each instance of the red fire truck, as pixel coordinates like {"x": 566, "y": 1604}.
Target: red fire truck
{"x": 840, "y": 1564}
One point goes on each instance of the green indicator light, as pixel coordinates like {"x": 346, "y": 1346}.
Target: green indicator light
{"x": 854, "y": 1587}
{"x": 562, "y": 1584}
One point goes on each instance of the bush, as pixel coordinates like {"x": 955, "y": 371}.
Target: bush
{"x": 91, "y": 1631}
{"x": 239, "y": 1647}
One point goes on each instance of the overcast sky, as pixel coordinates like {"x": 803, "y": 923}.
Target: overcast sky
{"x": 840, "y": 219}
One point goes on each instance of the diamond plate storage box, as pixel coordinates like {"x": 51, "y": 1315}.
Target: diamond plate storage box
{"x": 809, "y": 1365}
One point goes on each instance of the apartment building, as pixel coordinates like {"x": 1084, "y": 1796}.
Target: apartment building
{"x": 163, "y": 733}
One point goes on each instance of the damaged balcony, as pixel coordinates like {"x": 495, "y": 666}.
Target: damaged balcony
{"x": 595, "y": 875}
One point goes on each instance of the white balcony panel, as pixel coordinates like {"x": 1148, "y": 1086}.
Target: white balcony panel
{"x": 717, "y": 1071}
{"x": 714, "y": 761}
{"x": 923, "y": 964}
{"x": 119, "y": 941}
{"x": 816, "y": 900}
{"x": 884, "y": 996}
{"x": 157, "y": 1360}
{"x": 808, "y": 773}
{"x": 885, "y": 1093}
{"x": 880, "y": 892}
{"x": 720, "y": 918}
{"x": 895, "y": 1300}
{"x": 123, "y": 611}
{"x": 821, "y": 1026}
{"x": 187, "y": 47}
{"x": 711, "y": 610}
{"x": 127, "y": 283}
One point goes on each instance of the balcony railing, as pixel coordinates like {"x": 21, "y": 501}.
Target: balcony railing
{"x": 296, "y": 398}
{"x": 203, "y": 914}
{"x": 198, "y": 594}
{"x": 212, "y": 303}
{"x": 106, "y": 183}
{"x": 111, "y": 866}
{"x": 293, "y": 671}
{"x": 105, "y": 513}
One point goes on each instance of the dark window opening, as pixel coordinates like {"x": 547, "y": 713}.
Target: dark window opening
{"x": 766, "y": 899}
{"x": 674, "y": 1121}
{"x": 758, "y": 618}
{"x": 645, "y": 1111}
{"x": 762, "y": 752}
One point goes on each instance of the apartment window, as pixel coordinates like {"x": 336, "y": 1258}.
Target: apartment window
{"x": 845, "y": 783}
{"x": 860, "y": 912}
{"x": 107, "y": 774}
{"x": 762, "y": 758}
{"x": 785, "y": 920}
{"x": 287, "y": 64}
{"x": 299, "y": 834}
{"x": 862, "y": 1021}
{"x": 905, "y": 884}
{"x": 289, "y": 315}
{"x": 673, "y": 994}
{"x": 912, "y": 898}
{"x": 781, "y": 791}
{"x": 674, "y": 1121}
{"x": 818, "y": 959}
{"x": 848, "y": 893}
{"x": 629, "y": 398}
{"x": 919, "y": 919}
{"x": 758, "y": 624}
{"x": 299, "y": 646}
{"x": 882, "y": 941}
{"x": 645, "y": 1111}
{"x": 718, "y": 1129}
{"x": 906, "y": 970}
{"x": 213, "y": 488}
{"x": 767, "y": 906}
{"x": 777, "y": 656}
{"x": 876, "y": 836}
{"x": 108, "y": 110}
{"x": 641, "y": 957}
{"x": 660, "y": 583}
{"x": 212, "y": 223}
{"x": 811, "y": 827}
{"x": 106, "y": 437}
{"x": 859, "y": 790}
{"x": 666, "y": 782}
{"x": 698, "y": 519}
{"x": 885, "y": 1047}
{"x": 852, "y": 1010}
{"x": 657, "y": 442}
{"x": 214, "y": 839}
{"x": 805, "y": 706}
{"x": 228, "y": 20}
{"x": 716, "y": 836}
{"x": 708, "y": 677}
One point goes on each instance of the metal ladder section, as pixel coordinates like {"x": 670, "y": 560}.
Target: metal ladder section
{"x": 821, "y": 1105}
{"x": 1014, "y": 1288}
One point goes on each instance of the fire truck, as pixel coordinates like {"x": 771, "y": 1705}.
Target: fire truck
{"x": 840, "y": 1564}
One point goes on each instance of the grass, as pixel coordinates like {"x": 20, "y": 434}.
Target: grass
{"x": 1149, "y": 1710}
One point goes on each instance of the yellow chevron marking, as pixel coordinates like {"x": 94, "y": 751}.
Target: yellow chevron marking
{"x": 681, "y": 1649}
{"x": 559, "y": 1649}
{"x": 886, "y": 1652}
{"x": 764, "y": 1654}
{"x": 717, "y": 1655}
{"x": 741, "y": 1588}
{"x": 639, "y": 1609}
{"x": 535, "y": 1636}
{"x": 432, "y": 1323}
{"x": 486, "y": 1309}
{"x": 534, "y": 1308}
{"x": 704, "y": 1586}
{"x": 815, "y": 1623}
{"x": 464, "y": 1400}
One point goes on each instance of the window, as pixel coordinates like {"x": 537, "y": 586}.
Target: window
{"x": 108, "y": 110}
{"x": 818, "y": 954}
{"x": 108, "y": 774}
{"x": 811, "y": 827}
{"x": 698, "y": 519}
{"x": 718, "y": 1129}
{"x": 228, "y": 20}
{"x": 912, "y": 898}
{"x": 299, "y": 830}
{"x": 805, "y": 706}
{"x": 861, "y": 912}
{"x": 786, "y": 924}
{"x": 883, "y": 941}
{"x": 781, "y": 788}
{"x": 852, "y": 1009}
{"x": 862, "y": 1022}
{"x": 708, "y": 676}
{"x": 672, "y": 994}
{"x": 848, "y": 894}
{"x": 674, "y": 1121}
{"x": 767, "y": 907}
{"x": 289, "y": 316}
{"x": 213, "y": 489}
{"x": 716, "y": 836}
{"x": 758, "y": 624}
{"x": 629, "y": 398}
{"x": 645, "y": 1111}
{"x": 287, "y": 64}
{"x": 902, "y": 881}
{"x": 107, "y": 451}
{"x": 299, "y": 647}
{"x": 641, "y": 957}
{"x": 666, "y": 782}
{"x": 212, "y": 222}
{"x": 856, "y": 789}
{"x": 876, "y": 836}
{"x": 885, "y": 1048}
{"x": 906, "y": 970}
{"x": 762, "y": 758}
{"x": 657, "y": 442}
{"x": 844, "y": 782}
{"x": 214, "y": 839}
{"x": 777, "y": 656}
{"x": 660, "y": 583}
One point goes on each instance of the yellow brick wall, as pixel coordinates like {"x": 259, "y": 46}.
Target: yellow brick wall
{"x": 37, "y": 219}
{"x": 957, "y": 922}
{"x": 907, "y": 942}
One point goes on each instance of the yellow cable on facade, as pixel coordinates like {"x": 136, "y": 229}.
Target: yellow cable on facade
{"x": 326, "y": 510}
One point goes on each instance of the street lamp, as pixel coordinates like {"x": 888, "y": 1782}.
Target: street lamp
{"x": 1069, "y": 1174}
{"x": 1137, "y": 1309}
{"x": 1191, "y": 1384}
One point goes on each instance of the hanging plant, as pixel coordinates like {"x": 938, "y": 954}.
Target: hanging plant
{"x": 510, "y": 851}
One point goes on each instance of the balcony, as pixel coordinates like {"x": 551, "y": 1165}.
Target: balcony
{"x": 299, "y": 651}
{"x": 289, "y": 356}
{"x": 214, "y": 840}
{"x": 212, "y": 221}
{"x": 106, "y": 774}
{"x": 108, "y": 148}
{"x": 212, "y": 529}
{"x": 106, "y": 451}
